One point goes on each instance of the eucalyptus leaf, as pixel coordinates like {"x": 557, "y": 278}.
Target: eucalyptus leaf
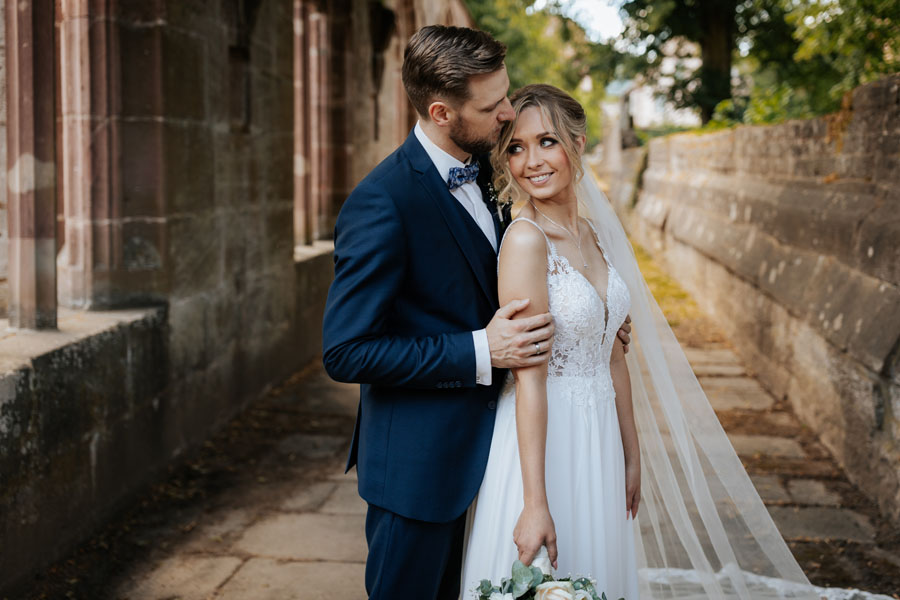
{"x": 537, "y": 577}
{"x": 521, "y": 574}
{"x": 520, "y": 589}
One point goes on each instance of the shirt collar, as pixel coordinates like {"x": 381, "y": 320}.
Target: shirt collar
{"x": 441, "y": 159}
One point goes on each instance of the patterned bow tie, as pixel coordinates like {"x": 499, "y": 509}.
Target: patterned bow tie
{"x": 462, "y": 175}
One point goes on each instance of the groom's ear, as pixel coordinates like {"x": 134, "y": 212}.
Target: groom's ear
{"x": 441, "y": 113}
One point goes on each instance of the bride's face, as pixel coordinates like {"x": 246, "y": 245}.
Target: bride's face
{"x": 537, "y": 159}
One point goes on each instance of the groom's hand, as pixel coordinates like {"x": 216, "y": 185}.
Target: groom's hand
{"x": 624, "y": 333}
{"x": 518, "y": 343}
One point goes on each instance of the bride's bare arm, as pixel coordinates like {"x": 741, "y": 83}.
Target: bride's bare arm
{"x": 523, "y": 274}
{"x": 622, "y": 384}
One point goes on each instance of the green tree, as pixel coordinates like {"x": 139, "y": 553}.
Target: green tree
{"x": 545, "y": 46}
{"x": 797, "y": 57}
{"x": 712, "y": 24}
{"x": 858, "y": 39}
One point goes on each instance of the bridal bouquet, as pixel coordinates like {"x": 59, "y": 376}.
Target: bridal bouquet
{"x": 536, "y": 583}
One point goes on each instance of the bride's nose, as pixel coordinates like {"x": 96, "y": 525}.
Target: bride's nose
{"x": 535, "y": 159}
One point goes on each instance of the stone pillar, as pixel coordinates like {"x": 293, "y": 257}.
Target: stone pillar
{"x": 111, "y": 180}
{"x": 89, "y": 174}
{"x": 303, "y": 216}
{"x": 320, "y": 176}
{"x": 31, "y": 177}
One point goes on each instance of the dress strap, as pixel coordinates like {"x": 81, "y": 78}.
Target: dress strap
{"x": 551, "y": 249}
{"x": 597, "y": 239}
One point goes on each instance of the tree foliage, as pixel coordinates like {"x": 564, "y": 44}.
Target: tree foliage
{"x": 794, "y": 58}
{"x": 545, "y": 46}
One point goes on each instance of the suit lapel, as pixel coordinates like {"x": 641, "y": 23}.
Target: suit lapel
{"x": 485, "y": 175}
{"x": 476, "y": 249}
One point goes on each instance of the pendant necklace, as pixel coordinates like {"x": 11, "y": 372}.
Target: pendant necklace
{"x": 566, "y": 229}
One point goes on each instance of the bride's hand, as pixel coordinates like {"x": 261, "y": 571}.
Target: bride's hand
{"x": 534, "y": 529}
{"x": 632, "y": 487}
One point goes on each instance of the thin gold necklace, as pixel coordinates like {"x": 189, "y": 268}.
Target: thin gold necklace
{"x": 566, "y": 229}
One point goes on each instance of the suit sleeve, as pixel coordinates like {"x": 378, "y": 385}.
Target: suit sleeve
{"x": 370, "y": 259}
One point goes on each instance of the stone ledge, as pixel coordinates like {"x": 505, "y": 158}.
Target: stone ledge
{"x": 19, "y": 346}
{"x": 84, "y": 417}
{"x": 313, "y": 251}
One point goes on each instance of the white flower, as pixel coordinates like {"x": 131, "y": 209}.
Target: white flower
{"x": 583, "y": 595}
{"x": 499, "y": 596}
{"x": 542, "y": 561}
{"x": 555, "y": 590}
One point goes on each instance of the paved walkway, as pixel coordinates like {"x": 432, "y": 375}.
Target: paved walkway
{"x": 264, "y": 512}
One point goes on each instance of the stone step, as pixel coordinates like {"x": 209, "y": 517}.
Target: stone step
{"x": 766, "y": 445}
{"x": 822, "y": 524}
{"x": 736, "y": 393}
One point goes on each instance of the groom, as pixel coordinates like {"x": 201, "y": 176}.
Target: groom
{"x": 412, "y": 316}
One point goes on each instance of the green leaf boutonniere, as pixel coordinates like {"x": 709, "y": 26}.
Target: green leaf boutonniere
{"x": 503, "y": 207}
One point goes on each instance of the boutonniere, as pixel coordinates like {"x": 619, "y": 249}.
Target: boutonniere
{"x": 503, "y": 208}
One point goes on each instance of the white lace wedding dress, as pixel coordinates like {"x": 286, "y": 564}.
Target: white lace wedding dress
{"x": 585, "y": 468}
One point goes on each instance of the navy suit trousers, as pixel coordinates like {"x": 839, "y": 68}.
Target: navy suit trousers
{"x": 412, "y": 559}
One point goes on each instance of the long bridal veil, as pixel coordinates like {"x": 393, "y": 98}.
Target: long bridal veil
{"x": 703, "y": 531}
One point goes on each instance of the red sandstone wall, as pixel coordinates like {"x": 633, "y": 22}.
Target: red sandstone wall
{"x": 790, "y": 236}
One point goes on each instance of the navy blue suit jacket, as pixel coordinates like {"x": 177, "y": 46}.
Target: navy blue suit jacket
{"x": 414, "y": 276}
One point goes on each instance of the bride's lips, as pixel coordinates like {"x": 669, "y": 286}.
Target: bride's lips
{"x": 539, "y": 179}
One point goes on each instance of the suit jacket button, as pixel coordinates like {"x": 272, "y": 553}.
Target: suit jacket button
{"x": 492, "y": 404}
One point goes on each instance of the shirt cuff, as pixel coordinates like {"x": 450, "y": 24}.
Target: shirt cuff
{"x": 482, "y": 357}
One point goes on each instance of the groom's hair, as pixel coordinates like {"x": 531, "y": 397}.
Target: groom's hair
{"x": 439, "y": 60}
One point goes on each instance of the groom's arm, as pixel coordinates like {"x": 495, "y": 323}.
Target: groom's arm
{"x": 370, "y": 261}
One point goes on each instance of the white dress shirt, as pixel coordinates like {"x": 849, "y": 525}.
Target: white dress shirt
{"x": 469, "y": 196}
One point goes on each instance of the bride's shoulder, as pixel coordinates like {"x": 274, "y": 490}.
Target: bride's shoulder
{"x": 524, "y": 235}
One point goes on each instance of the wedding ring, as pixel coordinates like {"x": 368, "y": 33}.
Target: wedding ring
{"x": 537, "y": 347}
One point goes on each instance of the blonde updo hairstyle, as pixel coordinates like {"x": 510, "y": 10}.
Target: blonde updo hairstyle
{"x": 564, "y": 115}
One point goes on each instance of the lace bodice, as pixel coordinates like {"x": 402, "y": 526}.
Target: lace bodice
{"x": 586, "y": 323}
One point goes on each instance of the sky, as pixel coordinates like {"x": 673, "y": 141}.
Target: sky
{"x": 600, "y": 18}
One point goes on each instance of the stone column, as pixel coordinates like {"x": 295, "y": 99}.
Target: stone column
{"x": 303, "y": 216}
{"x": 319, "y": 122}
{"x": 110, "y": 177}
{"x": 89, "y": 153}
{"x": 31, "y": 181}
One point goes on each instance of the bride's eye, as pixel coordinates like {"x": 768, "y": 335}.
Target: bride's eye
{"x": 547, "y": 142}
{"x": 514, "y": 149}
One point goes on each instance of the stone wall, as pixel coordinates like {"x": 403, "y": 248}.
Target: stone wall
{"x": 70, "y": 448}
{"x": 178, "y": 192}
{"x": 789, "y": 235}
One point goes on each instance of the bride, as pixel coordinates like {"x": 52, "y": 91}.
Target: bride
{"x": 570, "y": 439}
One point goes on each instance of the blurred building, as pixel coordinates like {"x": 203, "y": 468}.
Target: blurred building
{"x": 173, "y": 174}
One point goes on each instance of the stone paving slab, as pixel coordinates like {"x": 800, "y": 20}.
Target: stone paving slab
{"x": 312, "y": 446}
{"x": 307, "y": 536}
{"x": 718, "y": 370}
{"x": 731, "y": 393}
{"x": 345, "y": 500}
{"x": 811, "y": 491}
{"x": 822, "y": 524}
{"x": 212, "y": 534}
{"x": 181, "y": 577}
{"x": 266, "y": 579}
{"x": 712, "y": 356}
{"x": 770, "y": 488}
{"x": 309, "y": 496}
{"x": 767, "y": 445}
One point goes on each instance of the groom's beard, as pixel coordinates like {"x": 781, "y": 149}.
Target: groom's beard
{"x": 469, "y": 142}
